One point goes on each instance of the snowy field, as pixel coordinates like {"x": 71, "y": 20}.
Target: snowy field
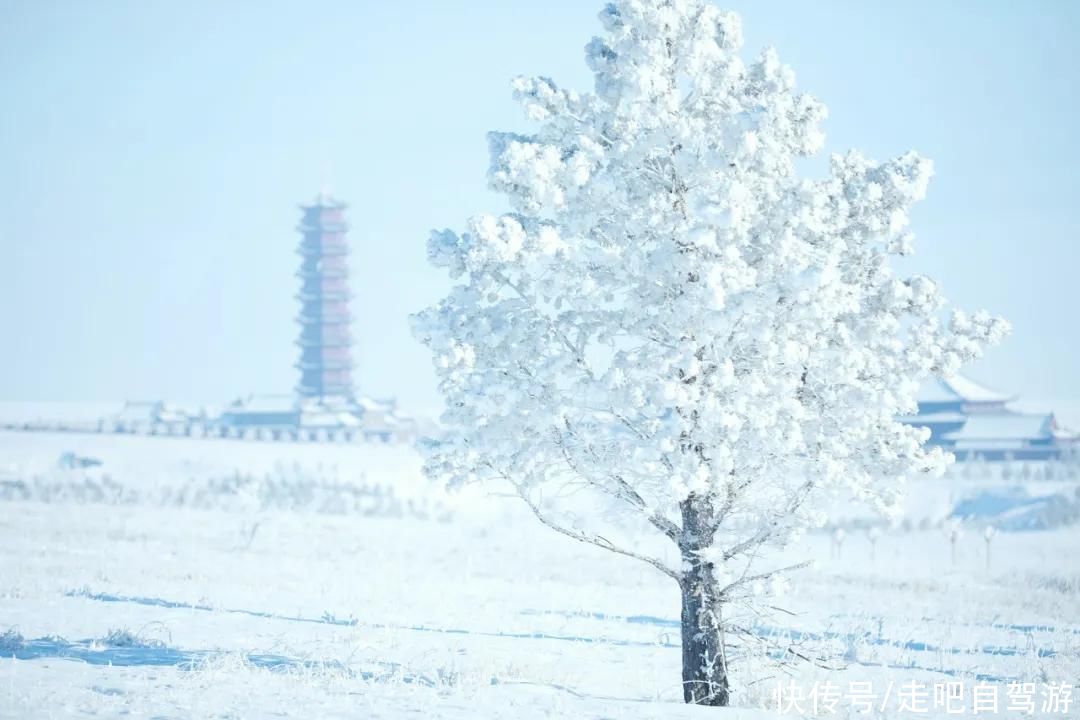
{"x": 219, "y": 578}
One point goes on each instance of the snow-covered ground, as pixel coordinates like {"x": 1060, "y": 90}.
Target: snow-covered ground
{"x": 220, "y": 578}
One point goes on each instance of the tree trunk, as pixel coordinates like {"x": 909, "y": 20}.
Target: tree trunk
{"x": 704, "y": 662}
{"x": 704, "y": 665}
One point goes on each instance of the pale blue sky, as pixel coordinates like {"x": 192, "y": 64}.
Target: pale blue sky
{"x": 152, "y": 154}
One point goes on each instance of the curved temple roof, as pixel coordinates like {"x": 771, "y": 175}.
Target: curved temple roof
{"x": 1007, "y": 426}
{"x": 959, "y": 389}
{"x": 972, "y": 419}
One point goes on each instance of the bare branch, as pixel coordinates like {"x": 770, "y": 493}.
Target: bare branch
{"x": 593, "y": 540}
{"x": 791, "y": 649}
{"x": 622, "y": 491}
{"x": 760, "y": 576}
{"x": 767, "y": 530}
{"x": 658, "y": 521}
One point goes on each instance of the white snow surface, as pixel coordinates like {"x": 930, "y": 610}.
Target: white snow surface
{"x": 175, "y": 594}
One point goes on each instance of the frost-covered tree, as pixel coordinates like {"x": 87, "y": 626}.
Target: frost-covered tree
{"x": 672, "y": 317}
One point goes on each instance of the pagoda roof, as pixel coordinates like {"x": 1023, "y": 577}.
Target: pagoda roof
{"x": 324, "y": 200}
{"x": 959, "y": 389}
{"x": 343, "y": 294}
{"x": 306, "y": 249}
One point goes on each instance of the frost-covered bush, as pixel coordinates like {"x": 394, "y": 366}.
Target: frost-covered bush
{"x": 125, "y": 638}
{"x": 10, "y": 641}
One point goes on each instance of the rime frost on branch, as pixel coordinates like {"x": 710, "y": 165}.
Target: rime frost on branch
{"x": 670, "y": 312}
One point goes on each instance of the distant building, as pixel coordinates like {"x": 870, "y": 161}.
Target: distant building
{"x": 325, "y": 339}
{"x": 146, "y": 416}
{"x": 325, "y": 405}
{"x": 976, "y": 422}
{"x": 285, "y": 416}
{"x": 265, "y": 411}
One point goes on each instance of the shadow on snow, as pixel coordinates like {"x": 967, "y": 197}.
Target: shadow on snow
{"x": 768, "y": 631}
{"x": 328, "y": 619}
{"x": 152, "y": 656}
{"x": 95, "y": 652}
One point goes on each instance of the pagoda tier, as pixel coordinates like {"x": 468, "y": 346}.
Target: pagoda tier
{"x": 332, "y": 288}
{"x": 325, "y": 361}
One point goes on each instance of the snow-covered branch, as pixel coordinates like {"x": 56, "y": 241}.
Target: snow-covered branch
{"x": 596, "y": 540}
{"x": 672, "y": 317}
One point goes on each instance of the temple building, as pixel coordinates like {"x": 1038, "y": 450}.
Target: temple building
{"x": 325, "y": 340}
{"x": 975, "y": 422}
{"x": 325, "y": 403}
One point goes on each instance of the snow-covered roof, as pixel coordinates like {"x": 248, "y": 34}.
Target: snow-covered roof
{"x": 1061, "y": 432}
{"x": 958, "y": 388}
{"x": 989, "y": 445}
{"x": 140, "y": 410}
{"x": 263, "y": 404}
{"x": 172, "y": 414}
{"x": 1004, "y": 426}
{"x": 328, "y": 419}
{"x": 328, "y": 403}
{"x": 936, "y": 418}
{"x": 371, "y": 404}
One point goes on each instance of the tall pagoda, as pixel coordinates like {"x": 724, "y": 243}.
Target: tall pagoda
{"x": 325, "y": 339}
